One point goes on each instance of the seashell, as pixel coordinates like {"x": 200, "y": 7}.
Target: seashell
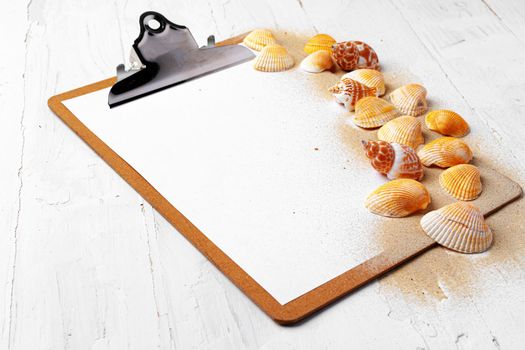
{"x": 273, "y": 58}
{"x": 461, "y": 181}
{"x": 459, "y": 226}
{"x": 405, "y": 130}
{"x": 369, "y": 77}
{"x": 350, "y": 55}
{"x": 445, "y": 152}
{"x": 317, "y": 62}
{"x": 373, "y": 112}
{"x": 394, "y": 160}
{"x": 410, "y": 99}
{"x": 398, "y": 198}
{"x": 447, "y": 123}
{"x": 259, "y": 38}
{"x": 319, "y": 42}
{"x": 346, "y": 55}
{"x": 348, "y": 92}
{"x": 367, "y": 56}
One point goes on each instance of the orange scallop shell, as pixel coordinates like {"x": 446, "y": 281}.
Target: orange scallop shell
{"x": 398, "y": 198}
{"x": 405, "y": 130}
{"x": 445, "y": 152}
{"x": 319, "y": 42}
{"x": 447, "y": 123}
{"x": 259, "y": 38}
{"x": 410, "y": 99}
{"x": 462, "y": 181}
{"x": 373, "y": 112}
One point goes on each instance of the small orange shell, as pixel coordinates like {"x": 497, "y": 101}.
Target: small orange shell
{"x": 447, "y": 123}
{"x": 373, "y": 112}
{"x": 346, "y": 55}
{"x": 317, "y": 62}
{"x": 369, "y": 77}
{"x": 398, "y": 198}
{"x": 462, "y": 181}
{"x": 405, "y": 130}
{"x": 273, "y": 58}
{"x": 348, "y": 92}
{"x": 410, "y": 99}
{"x": 394, "y": 160}
{"x": 259, "y": 38}
{"x": 319, "y": 42}
{"x": 445, "y": 152}
{"x": 459, "y": 226}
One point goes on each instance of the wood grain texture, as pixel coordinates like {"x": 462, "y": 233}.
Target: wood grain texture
{"x": 86, "y": 264}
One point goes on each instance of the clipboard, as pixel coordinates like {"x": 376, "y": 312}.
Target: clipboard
{"x": 499, "y": 192}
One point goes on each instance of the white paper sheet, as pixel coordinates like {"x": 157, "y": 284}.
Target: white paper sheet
{"x": 257, "y": 162}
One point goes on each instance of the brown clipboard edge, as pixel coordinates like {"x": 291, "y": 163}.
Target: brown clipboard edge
{"x": 289, "y": 313}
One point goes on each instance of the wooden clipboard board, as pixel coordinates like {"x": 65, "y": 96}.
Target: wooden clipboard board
{"x": 296, "y": 309}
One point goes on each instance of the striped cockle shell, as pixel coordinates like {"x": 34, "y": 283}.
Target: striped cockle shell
{"x": 394, "y": 160}
{"x": 259, "y": 38}
{"x": 398, "y": 198}
{"x": 273, "y": 58}
{"x": 317, "y": 62}
{"x": 373, "y": 112}
{"x": 410, "y": 99}
{"x": 458, "y": 226}
{"x": 462, "y": 181}
{"x": 405, "y": 130}
{"x": 445, "y": 152}
{"x": 348, "y": 92}
{"x": 369, "y": 77}
{"x": 447, "y": 123}
{"x": 319, "y": 42}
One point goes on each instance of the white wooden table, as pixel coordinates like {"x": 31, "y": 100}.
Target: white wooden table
{"x": 86, "y": 264}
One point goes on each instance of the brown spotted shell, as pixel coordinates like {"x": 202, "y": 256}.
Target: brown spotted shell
{"x": 459, "y": 226}
{"x": 405, "y": 130}
{"x": 350, "y": 55}
{"x": 348, "y": 92}
{"x": 398, "y": 198}
{"x": 394, "y": 160}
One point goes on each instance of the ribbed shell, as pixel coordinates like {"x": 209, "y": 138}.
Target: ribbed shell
{"x": 447, "y": 123}
{"x": 373, "y": 112}
{"x": 319, "y": 42}
{"x": 398, "y": 198}
{"x": 346, "y": 55}
{"x": 410, "y": 99}
{"x": 317, "y": 62}
{"x": 367, "y": 56}
{"x": 259, "y": 38}
{"x": 394, "y": 160}
{"x": 348, "y": 92}
{"x": 445, "y": 152}
{"x": 405, "y": 130}
{"x": 369, "y": 77}
{"x": 459, "y": 226}
{"x": 273, "y": 58}
{"x": 461, "y": 181}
